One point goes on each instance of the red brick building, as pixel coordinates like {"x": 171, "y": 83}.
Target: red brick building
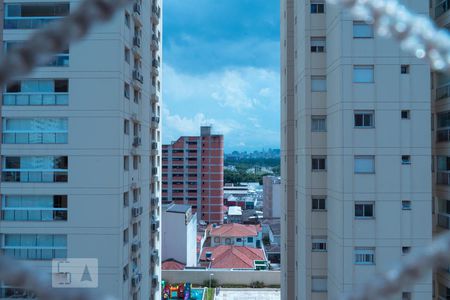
{"x": 193, "y": 174}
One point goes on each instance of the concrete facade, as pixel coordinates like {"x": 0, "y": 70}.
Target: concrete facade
{"x": 179, "y": 237}
{"x": 79, "y": 177}
{"x": 362, "y": 151}
{"x": 193, "y": 174}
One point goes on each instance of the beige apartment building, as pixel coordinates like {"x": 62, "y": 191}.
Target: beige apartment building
{"x": 81, "y": 146}
{"x": 356, "y": 152}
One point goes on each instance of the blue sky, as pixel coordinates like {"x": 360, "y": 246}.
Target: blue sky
{"x": 221, "y": 67}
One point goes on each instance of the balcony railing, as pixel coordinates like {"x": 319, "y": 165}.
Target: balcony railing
{"x": 35, "y": 253}
{"x": 441, "y": 8}
{"x": 37, "y": 99}
{"x": 27, "y": 22}
{"x": 443, "y": 92}
{"x": 34, "y": 138}
{"x": 444, "y": 220}
{"x": 34, "y": 214}
{"x": 34, "y": 176}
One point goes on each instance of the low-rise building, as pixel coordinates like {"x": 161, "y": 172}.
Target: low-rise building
{"x": 234, "y": 214}
{"x": 235, "y": 234}
{"x": 272, "y": 196}
{"x": 233, "y": 257}
{"x": 172, "y": 264}
{"x": 179, "y": 238}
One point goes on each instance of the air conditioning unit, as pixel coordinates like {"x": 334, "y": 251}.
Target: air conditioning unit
{"x": 155, "y": 201}
{"x": 137, "y": 211}
{"x": 155, "y": 98}
{"x": 136, "y": 141}
{"x": 136, "y": 280}
{"x": 154, "y": 145}
{"x": 155, "y": 225}
{"x": 138, "y": 76}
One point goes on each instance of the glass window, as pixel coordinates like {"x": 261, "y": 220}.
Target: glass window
{"x": 406, "y": 205}
{"x": 250, "y": 240}
{"x": 37, "y": 92}
{"x": 59, "y": 60}
{"x": 34, "y": 208}
{"x": 318, "y": 44}
{"x": 362, "y": 29}
{"x": 318, "y": 203}
{"x": 319, "y": 244}
{"x": 364, "y": 256}
{"x": 318, "y": 83}
{"x": 35, "y": 246}
{"x": 35, "y": 169}
{"x": 317, "y": 6}
{"x": 318, "y": 163}
{"x": 318, "y": 284}
{"x": 406, "y": 159}
{"x": 318, "y": 123}
{"x": 405, "y": 114}
{"x": 404, "y": 69}
{"x": 363, "y": 74}
{"x": 126, "y": 90}
{"x": 364, "y": 119}
{"x": 364, "y": 210}
{"x": 364, "y": 164}
{"x": 33, "y": 15}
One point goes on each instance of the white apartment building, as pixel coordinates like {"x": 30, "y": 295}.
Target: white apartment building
{"x": 271, "y": 196}
{"x": 440, "y": 97}
{"x": 179, "y": 234}
{"x": 356, "y": 131}
{"x": 81, "y": 147}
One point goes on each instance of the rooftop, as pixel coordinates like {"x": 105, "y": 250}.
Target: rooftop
{"x": 232, "y": 257}
{"x": 178, "y": 208}
{"x": 234, "y": 230}
{"x": 172, "y": 264}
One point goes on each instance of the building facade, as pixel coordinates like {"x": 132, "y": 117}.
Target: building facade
{"x": 179, "y": 236}
{"x": 356, "y": 114}
{"x": 81, "y": 149}
{"x": 193, "y": 174}
{"x": 440, "y": 97}
{"x": 271, "y": 197}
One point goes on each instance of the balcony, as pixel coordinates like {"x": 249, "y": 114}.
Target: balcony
{"x": 35, "y": 99}
{"x": 441, "y": 8}
{"x": 34, "y": 176}
{"x": 155, "y": 148}
{"x": 34, "y": 214}
{"x": 154, "y": 202}
{"x": 156, "y": 14}
{"x": 443, "y": 177}
{"x": 443, "y": 91}
{"x": 136, "y": 211}
{"x": 136, "y": 141}
{"x": 34, "y": 138}
{"x": 155, "y": 257}
{"x": 444, "y": 220}
{"x": 155, "y": 122}
{"x": 135, "y": 247}
{"x": 136, "y": 280}
{"x": 155, "y": 225}
{"x": 155, "y": 67}
{"x": 155, "y": 98}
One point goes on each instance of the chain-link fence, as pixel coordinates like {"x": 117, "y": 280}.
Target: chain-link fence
{"x": 417, "y": 34}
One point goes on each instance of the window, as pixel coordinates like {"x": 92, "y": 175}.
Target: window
{"x": 318, "y": 83}
{"x": 227, "y": 241}
{"x": 318, "y": 123}
{"x": 318, "y": 44}
{"x": 126, "y": 90}
{"x": 319, "y": 244}
{"x": 127, "y": 19}
{"x": 126, "y": 199}
{"x": 406, "y": 159}
{"x": 317, "y": 7}
{"x": 363, "y": 74}
{"x": 35, "y": 131}
{"x": 35, "y": 169}
{"x": 125, "y": 236}
{"x": 443, "y": 170}
{"x": 406, "y": 205}
{"x": 34, "y": 208}
{"x": 135, "y": 162}
{"x": 364, "y": 119}
{"x": 239, "y": 240}
{"x": 250, "y": 240}
{"x": 318, "y": 284}
{"x": 364, "y": 210}
{"x": 318, "y": 163}
{"x": 126, "y": 163}
{"x": 362, "y": 30}
{"x": 127, "y": 55}
{"x": 35, "y": 246}
{"x": 60, "y": 59}
{"x": 318, "y": 203}
{"x": 364, "y": 256}
{"x": 125, "y": 273}
{"x": 37, "y": 92}
{"x": 405, "y": 114}
{"x": 406, "y": 250}
{"x": 33, "y": 15}
{"x": 406, "y": 296}
{"x": 404, "y": 69}
{"x": 216, "y": 239}
{"x": 364, "y": 164}
{"x": 126, "y": 126}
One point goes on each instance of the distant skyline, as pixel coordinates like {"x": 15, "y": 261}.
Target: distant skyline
{"x": 221, "y": 67}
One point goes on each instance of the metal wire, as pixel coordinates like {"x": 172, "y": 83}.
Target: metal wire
{"x": 19, "y": 274}
{"x": 56, "y": 37}
{"x": 416, "y": 33}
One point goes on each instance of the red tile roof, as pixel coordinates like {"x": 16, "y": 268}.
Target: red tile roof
{"x": 233, "y": 257}
{"x": 234, "y": 230}
{"x": 172, "y": 264}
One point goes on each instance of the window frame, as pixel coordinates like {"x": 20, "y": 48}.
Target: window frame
{"x": 364, "y": 252}
{"x": 359, "y": 157}
{"x": 318, "y": 158}
{"x": 357, "y": 69}
{"x": 364, "y": 204}
{"x": 364, "y": 113}
{"x": 360, "y": 24}
{"x": 318, "y": 119}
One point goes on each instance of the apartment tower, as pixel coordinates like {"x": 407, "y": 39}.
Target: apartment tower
{"x": 440, "y": 108}
{"x": 356, "y": 130}
{"x": 80, "y": 149}
{"x": 193, "y": 174}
